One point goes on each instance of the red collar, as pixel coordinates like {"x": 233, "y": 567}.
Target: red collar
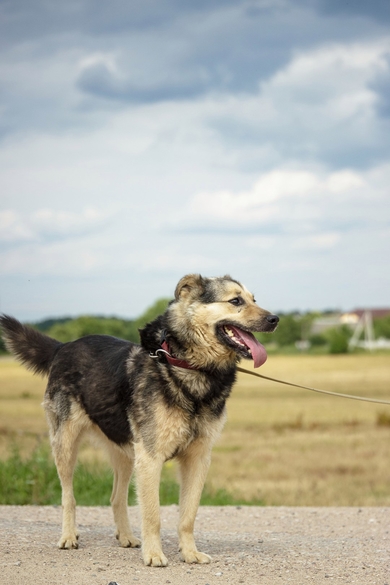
{"x": 175, "y": 361}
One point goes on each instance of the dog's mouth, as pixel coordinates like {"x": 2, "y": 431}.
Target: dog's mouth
{"x": 244, "y": 343}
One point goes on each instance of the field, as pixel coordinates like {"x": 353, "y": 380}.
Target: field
{"x": 280, "y": 446}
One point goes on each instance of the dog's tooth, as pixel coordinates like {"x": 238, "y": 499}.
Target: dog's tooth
{"x": 232, "y": 336}
{"x": 228, "y": 331}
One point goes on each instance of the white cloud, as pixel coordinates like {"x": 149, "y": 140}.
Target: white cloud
{"x": 66, "y": 259}
{"x": 321, "y": 106}
{"x": 331, "y": 78}
{"x": 344, "y": 181}
{"x": 47, "y": 223}
{"x": 13, "y": 228}
{"x": 332, "y": 68}
{"x": 109, "y": 60}
{"x": 319, "y": 242}
{"x": 293, "y": 198}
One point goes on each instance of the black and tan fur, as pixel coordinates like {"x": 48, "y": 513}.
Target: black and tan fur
{"x": 144, "y": 410}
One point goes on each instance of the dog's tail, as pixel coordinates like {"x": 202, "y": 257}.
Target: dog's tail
{"x": 34, "y": 349}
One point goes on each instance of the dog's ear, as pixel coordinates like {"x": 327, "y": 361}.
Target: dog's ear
{"x": 188, "y": 285}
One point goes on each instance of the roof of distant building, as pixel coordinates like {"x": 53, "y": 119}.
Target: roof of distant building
{"x": 376, "y": 313}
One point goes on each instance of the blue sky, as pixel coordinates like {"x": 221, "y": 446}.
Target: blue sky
{"x": 140, "y": 141}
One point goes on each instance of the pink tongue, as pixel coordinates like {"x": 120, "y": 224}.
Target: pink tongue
{"x": 259, "y": 354}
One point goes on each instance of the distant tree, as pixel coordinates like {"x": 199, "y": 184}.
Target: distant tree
{"x": 338, "y": 339}
{"x": 70, "y": 329}
{"x": 382, "y": 327}
{"x": 318, "y": 340}
{"x": 292, "y": 327}
{"x": 90, "y": 325}
{"x": 306, "y": 324}
{"x": 47, "y": 324}
{"x": 331, "y": 311}
{"x": 288, "y": 330}
{"x": 264, "y": 337}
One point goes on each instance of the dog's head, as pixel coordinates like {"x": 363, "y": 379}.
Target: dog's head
{"x": 213, "y": 319}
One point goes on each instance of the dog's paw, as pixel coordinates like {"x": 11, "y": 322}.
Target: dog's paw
{"x": 194, "y": 556}
{"x": 155, "y": 559}
{"x": 68, "y": 541}
{"x": 128, "y": 540}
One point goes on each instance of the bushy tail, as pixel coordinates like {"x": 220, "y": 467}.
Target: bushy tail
{"x": 34, "y": 349}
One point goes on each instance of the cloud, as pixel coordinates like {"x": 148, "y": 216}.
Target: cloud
{"x": 261, "y": 204}
{"x": 101, "y": 80}
{"x": 312, "y": 208}
{"x": 381, "y": 86}
{"x": 66, "y": 259}
{"x": 48, "y": 225}
{"x": 72, "y": 66}
{"x": 376, "y": 9}
{"x": 23, "y": 19}
{"x": 321, "y": 106}
{"x": 13, "y": 228}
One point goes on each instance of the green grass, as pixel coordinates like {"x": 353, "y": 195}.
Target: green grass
{"x": 33, "y": 480}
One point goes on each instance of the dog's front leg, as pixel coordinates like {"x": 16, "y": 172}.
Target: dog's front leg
{"x": 194, "y": 465}
{"x": 148, "y": 473}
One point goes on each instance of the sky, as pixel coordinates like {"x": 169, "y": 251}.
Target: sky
{"x": 141, "y": 140}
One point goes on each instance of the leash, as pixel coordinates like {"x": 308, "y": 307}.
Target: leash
{"x": 363, "y": 398}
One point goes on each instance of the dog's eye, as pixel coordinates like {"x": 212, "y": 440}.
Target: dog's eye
{"x": 237, "y": 301}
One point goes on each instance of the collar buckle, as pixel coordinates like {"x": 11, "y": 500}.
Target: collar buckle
{"x": 164, "y": 351}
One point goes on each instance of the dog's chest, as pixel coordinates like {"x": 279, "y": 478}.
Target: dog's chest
{"x": 174, "y": 430}
{"x": 174, "y": 409}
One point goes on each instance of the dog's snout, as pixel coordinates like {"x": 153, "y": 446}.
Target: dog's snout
{"x": 272, "y": 319}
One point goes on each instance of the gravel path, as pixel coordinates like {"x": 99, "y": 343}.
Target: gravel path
{"x": 255, "y": 546}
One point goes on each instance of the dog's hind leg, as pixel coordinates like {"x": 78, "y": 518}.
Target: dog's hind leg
{"x": 123, "y": 465}
{"x": 65, "y": 443}
{"x": 193, "y": 465}
{"x": 148, "y": 471}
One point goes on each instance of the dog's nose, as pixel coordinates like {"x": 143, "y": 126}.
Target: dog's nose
{"x": 272, "y": 319}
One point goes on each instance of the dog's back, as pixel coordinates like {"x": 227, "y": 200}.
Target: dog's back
{"x": 90, "y": 371}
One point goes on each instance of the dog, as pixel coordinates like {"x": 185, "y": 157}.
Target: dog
{"x": 147, "y": 403}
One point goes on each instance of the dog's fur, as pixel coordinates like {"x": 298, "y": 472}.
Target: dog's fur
{"x": 146, "y": 411}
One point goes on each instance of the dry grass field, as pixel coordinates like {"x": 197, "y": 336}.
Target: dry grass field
{"x": 283, "y": 446}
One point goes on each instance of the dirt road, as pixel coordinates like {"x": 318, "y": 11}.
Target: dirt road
{"x": 255, "y": 546}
